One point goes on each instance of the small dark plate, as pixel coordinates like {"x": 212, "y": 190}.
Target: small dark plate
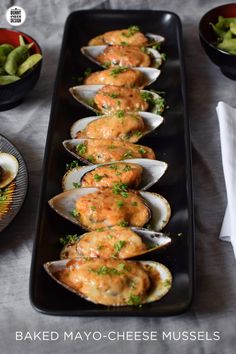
{"x": 21, "y": 182}
{"x": 171, "y": 142}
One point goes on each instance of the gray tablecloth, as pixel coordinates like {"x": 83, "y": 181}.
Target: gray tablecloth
{"x": 214, "y": 306}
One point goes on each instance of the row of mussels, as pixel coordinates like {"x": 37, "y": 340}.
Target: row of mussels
{"x": 108, "y": 197}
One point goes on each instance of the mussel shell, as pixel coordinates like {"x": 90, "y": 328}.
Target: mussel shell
{"x": 154, "y": 38}
{"x": 151, "y": 121}
{"x": 159, "y": 207}
{"x": 91, "y": 52}
{"x": 156, "y": 240}
{"x": 153, "y": 170}
{"x": 9, "y": 168}
{"x": 157, "y": 291}
{"x": 84, "y": 94}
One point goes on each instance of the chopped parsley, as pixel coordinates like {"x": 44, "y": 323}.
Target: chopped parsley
{"x": 118, "y": 246}
{"x": 127, "y": 168}
{"x": 76, "y": 185}
{"x": 91, "y": 159}
{"x": 128, "y": 155}
{"x": 100, "y": 247}
{"x": 142, "y": 151}
{"x": 104, "y": 270}
{"x": 116, "y": 71}
{"x": 98, "y": 177}
{"x": 157, "y": 105}
{"x": 120, "y": 203}
{"x": 113, "y": 95}
{"x": 112, "y": 147}
{"x": 72, "y": 164}
{"x": 121, "y": 189}
{"x": 163, "y": 56}
{"x": 134, "y": 203}
{"x": 123, "y": 267}
{"x": 68, "y": 239}
{"x": 123, "y": 223}
{"x": 93, "y": 207}
{"x": 134, "y": 300}
{"x": 113, "y": 167}
{"x": 74, "y": 213}
{"x": 109, "y": 236}
{"x": 120, "y": 113}
{"x": 143, "y": 49}
{"x": 81, "y": 149}
{"x": 100, "y": 229}
{"x": 123, "y": 43}
{"x": 86, "y": 73}
{"x": 156, "y": 46}
{"x": 131, "y": 31}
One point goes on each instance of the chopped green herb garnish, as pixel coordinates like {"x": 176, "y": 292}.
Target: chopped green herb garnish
{"x": 134, "y": 300}
{"x": 113, "y": 167}
{"x": 121, "y": 189}
{"x": 74, "y": 213}
{"x": 163, "y": 56}
{"x": 91, "y": 159}
{"x": 100, "y": 229}
{"x": 76, "y": 185}
{"x": 127, "y": 168}
{"x": 98, "y": 177}
{"x": 143, "y": 49}
{"x": 123, "y": 223}
{"x": 112, "y": 147}
{"x": 134, "y": 203}
{"x": 142, "y": 151}
{"x": 68, "y": 239}
{"x": 156, "y": 46}
{"x": 104, "y": 270}
{"x": 127, "y": 155}
{"x": 116, "y": 71}
{"x": 72, "y": 164}
{"x": 86, "y": 73}
{"x": 131, "y": 31}
{"x": 81, "y": 149}
{"x": 119, "y": 245}
{"x": 120, "y": 203}
{"x": 113, "y": 95}
{"x": 120, "y": 113}
{"x": 109, "y": 236}
{"x": 123, "y": 267}
{"x": 123, "y": 43}
{"x": 100, "y": 247}
{"x": 93, "y": 207}
{"x": 157, "y": 105}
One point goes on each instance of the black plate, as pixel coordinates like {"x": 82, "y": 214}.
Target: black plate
{"x": 21, "y": 182}
{"x": 171, "y": 143}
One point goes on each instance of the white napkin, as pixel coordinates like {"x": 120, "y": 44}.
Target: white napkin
{"x": 227, "y": 122}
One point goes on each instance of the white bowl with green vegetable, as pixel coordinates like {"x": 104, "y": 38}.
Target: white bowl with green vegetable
{"x": 20, "y": 66}
{"x": 217, "y": 31}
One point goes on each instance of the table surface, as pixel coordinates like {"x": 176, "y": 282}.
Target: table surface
{"x": 214, "y": 305}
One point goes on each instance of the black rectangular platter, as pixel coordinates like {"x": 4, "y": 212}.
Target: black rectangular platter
{"x": 171, "y": 142}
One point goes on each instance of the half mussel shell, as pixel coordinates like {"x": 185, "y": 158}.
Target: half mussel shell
{"x": 64, "y": 204}
{"x": 153, "y": 170}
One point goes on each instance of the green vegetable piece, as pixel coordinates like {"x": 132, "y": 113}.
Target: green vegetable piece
{"x": 8, "y": 79}
{"x": 5, "y": 49}
{"x": 21, "y": 40}
{"x": 28, "y": 63}
{"x": 228, "y": 44}
{"x": 15, "y": 58}
{"x": 232, "y": 27}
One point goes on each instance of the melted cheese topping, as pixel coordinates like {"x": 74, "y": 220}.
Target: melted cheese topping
{"x": 108, "y": 282}
{"x": 117, "y": 241}
{"x": 124, "y": 37}
{"x": 113, "y": 99}
{"x": 116, "y": 76}
{"x": 124, "y": 56}
{"x": 106, "y": 176}
{"x": 101, "y": 151}
{"x": 128, "y": 127}
{"x": 106, "y": 208}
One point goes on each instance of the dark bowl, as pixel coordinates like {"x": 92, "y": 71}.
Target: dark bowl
{"x": 226, "y": 61}
{"x": 12, "y": 94}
